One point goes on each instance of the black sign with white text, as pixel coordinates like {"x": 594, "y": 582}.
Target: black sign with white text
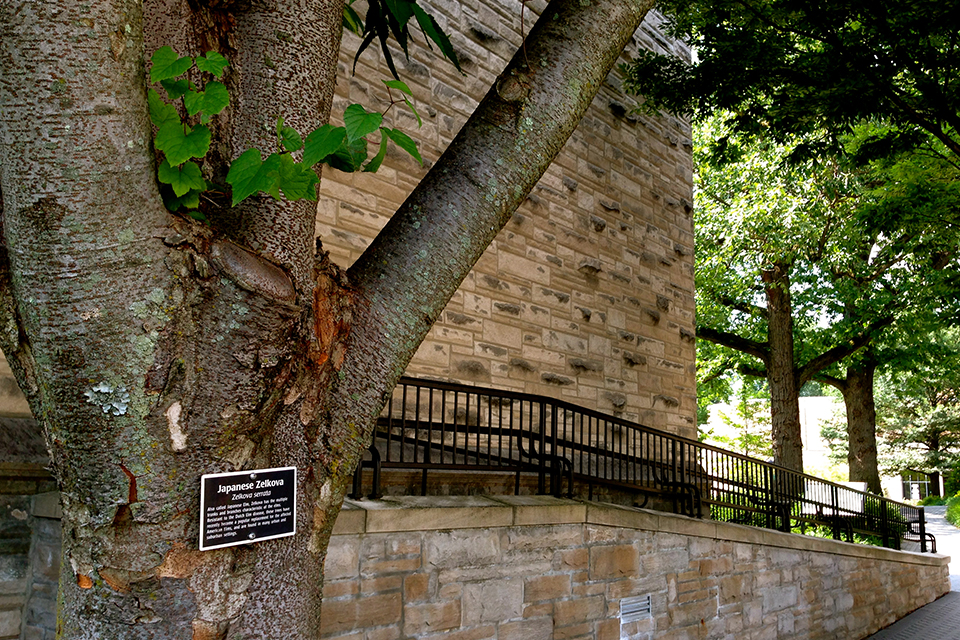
{"x": 248, "y": 506}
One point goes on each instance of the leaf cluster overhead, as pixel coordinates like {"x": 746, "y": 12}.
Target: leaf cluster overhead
{"x": 784, "y": 66}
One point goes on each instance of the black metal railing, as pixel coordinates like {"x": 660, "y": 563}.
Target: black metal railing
{"x": 565, "y": 450}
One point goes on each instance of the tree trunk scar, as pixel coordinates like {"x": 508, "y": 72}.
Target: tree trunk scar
{"x": 180, "y": 562}
{"x": 252, "y": 272}
{"x": 178, "y": 439}
{"x": 132, "y": 494}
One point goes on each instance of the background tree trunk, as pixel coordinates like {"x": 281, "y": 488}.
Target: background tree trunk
{"x": 781, "y": 374}
{"x": 862, "y": 424}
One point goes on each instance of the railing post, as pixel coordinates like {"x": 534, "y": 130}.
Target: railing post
{"x": 884, "y": 523}
{"x": 923, "y": 531}
{"x": 835, "y": 498}
{"x": 556, "y": 470}
{"x": 541, "y": 487}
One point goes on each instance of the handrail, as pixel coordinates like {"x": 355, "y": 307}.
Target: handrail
{"x": 431, "y": 425}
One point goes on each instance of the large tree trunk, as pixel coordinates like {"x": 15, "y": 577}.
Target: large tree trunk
{"x": 153, "y": 349}
{"x": 862, "y": 423}
{"x": 781, "y": 374}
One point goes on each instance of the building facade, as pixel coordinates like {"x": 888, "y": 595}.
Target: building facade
{"x": 587, "y": 294}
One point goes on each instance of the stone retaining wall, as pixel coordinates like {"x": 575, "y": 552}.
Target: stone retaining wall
{"x": 538, "y": 568}
{"x": 29, "y": 566}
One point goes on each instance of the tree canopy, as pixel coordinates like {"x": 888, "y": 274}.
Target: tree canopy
{"x": 785, "y": 67}
{"x": 857, "y": 250}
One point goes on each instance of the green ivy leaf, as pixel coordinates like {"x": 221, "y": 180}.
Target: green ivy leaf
{"x": 359, "y": 122}
{"x": 167, "y": 64}
{"x": 403, "y": 141}
{"x": 175, "y": 88}
{"x": 399, "y": 85}
{"x": 433, "y": 31}
{"x": 351, "y": 19}
{"x": 377, "y": 160}
{"x": 211, "y": 101}
{"x": 321, "y": 143}
{"x": 288, "y": 136}
{"x": 190, "y": 200}
{"x": 180, "y": 143}
{"x": 248, "y": 175}
{"x": 298, "y": 182}
{"x": 183, "y": 178}
{"x": 415, "y": 112}
{"x": 213, "y": 63}
{"x": 349, "y": 157}
{"x": 403, "y": 88}
{"x": 161, "y": 112}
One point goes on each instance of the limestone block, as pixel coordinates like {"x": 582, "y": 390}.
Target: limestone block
{"x": 10, "y": 624}
{"x": 492, "y": 601}
{"x": 779, "y": 598}
{"x": 421, "y": 619}
{"x": 613, "y": 561}
{"x": 455, "y": 548}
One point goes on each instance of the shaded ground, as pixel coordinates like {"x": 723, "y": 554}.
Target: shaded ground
{"x": 938, "y": 620}
{"x": 948, "y": 541}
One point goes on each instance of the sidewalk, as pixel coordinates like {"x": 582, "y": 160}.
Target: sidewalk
{"x": 939, "y": 619}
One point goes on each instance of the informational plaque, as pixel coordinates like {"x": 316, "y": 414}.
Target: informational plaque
{"x": 245, "y": 507}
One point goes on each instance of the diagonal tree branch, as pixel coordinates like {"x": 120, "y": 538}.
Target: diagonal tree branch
{"x": 838, "y": 353}
{"x": 405, "y": 278}
{"x": 733, "y": 341}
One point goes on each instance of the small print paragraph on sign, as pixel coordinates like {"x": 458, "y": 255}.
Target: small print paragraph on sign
{"x": 246, "y": 507}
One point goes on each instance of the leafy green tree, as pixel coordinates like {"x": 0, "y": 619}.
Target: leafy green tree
{"x": 781, "y": 67}
{"x": 154, "y": 348}
{"x": 746, "y": 423}
{"x": 919, "y": 412}
{"x": 785, "y": 246}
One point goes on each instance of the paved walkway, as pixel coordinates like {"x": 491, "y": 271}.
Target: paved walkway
{"x": 939, "y": 619}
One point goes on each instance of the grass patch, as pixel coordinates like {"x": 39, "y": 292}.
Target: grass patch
{"x": 953, "y": 510}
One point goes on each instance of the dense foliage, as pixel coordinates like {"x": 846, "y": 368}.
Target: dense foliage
{"x": 783, "y": 67}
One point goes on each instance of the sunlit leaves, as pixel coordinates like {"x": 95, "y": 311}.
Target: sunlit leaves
{"x": 161, "y": 112}
{"x": 295, "y": 180}
{"x": 281, "y": 174}
{"x": 359, "y": 122}
{"x": 209, "y": 102}
{"x": 351, "y": 19}
{"x": 213, "y": 63}
{"x": 403, "y": 88}
{"x": 287, "y": 137}
{"x": 403, "y": 141}
{"x": 168, "y": 64}
{"x": 249, "y": 174}
{"x": 322, "y": 142}
{"x": 392, "y": 17}
{"x": 180, "y": 142}
{"x": 175, "y": 88}
{"x": 182, "y": 178}
{"x": 377, "y": 160}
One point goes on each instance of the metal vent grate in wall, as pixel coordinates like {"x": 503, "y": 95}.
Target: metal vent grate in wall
{"x": 635, "y": 609}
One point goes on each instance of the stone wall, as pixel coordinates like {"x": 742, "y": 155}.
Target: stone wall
{"x": 539, "y": 568}
{"x": 587, "y": 294}
{"x": 29, "y": 566}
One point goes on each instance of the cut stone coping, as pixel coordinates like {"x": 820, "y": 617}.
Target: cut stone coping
{"x": 429, "y": 513}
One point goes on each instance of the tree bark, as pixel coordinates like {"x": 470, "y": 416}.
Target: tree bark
{"x": 153, "y": 349}
{"x": 862, "y": 424}
{"x": 781, "y": 375}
